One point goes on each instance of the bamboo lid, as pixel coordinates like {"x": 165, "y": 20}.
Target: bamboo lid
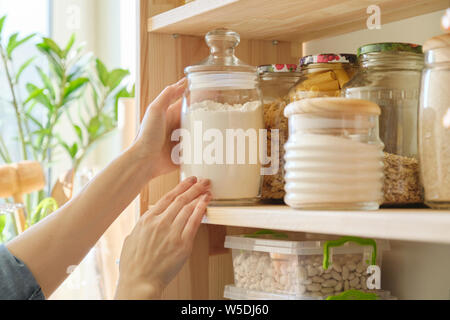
{"x": 332, "y": 105}
{"x": 441, "y": 41}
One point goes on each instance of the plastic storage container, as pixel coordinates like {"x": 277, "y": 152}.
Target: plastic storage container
{"x": 334, "y": 155}
{"x": 275, "y": 82}
{"x": 222, "y": 116}
{"x": 389, "y": 75}
{"x": 434, "y": 123}
{"x": 297, "y": 267}
{"x": 323, "y": 75}
{"x": 234, "y": 293}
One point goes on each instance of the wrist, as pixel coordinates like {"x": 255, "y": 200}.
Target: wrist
{"x": 138, "y": 291}
{"x": 141, "y": 158}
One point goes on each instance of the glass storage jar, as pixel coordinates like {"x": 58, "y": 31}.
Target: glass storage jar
{"x": 389, "y": 75}
{"x": 434, "y": 123}
{"x": 222, "y": 118}
{"x": 334, "y": 155}
{"x": 323, "y": 75}
{"x": 275, "y": 82}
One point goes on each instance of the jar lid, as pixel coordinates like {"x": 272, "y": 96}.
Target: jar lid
{"x": 390, "y": 47}
{"x": 277, "y": 68}
{"x": 332, "y": 105}
{"x": 438, "y": 42}
{"x": 222, "y": 43}
{"x": 328, "y": 58}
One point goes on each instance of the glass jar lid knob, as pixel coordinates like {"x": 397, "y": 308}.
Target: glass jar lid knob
{"x": 222, "y": 43}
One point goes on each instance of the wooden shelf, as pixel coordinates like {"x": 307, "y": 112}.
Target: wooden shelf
{"x": 424, "y": 225}
{"x": 293, "y": 20}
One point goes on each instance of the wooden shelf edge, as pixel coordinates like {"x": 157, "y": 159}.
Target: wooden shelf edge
{"x": 420, "y": 225}
{"x": 261, "y": 21}
{"x": 176, "y": 15}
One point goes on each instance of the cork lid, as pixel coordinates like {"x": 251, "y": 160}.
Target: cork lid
{"x": 332, "y": 105}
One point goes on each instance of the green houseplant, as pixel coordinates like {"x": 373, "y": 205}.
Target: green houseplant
{"x": 76, "y": 85}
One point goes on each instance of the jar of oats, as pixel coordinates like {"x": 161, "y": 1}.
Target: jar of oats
{"x": 275, "y": 83}
{"x": 434, "y": 123}
{"x": 389, "y": 75}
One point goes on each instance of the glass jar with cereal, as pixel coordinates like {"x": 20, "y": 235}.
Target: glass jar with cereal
{"x": 275, "y": 83}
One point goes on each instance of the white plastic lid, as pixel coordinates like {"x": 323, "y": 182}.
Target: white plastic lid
{"x": 295, "y": 247}
{"x": 234, "y": 293}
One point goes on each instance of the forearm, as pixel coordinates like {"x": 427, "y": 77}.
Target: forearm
{"x": 65, "y": 237}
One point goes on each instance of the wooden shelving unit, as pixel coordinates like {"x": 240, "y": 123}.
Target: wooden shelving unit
{"x": 422, "y": 225}
{"x": 289, "y": 20}
{"x": 171, "y": 38}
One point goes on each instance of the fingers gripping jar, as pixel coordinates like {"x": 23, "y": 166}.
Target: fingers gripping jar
{"x": 222, "y": 119}
{"x": 334, "y": 155}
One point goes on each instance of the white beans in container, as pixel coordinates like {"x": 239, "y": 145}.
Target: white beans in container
{"x": 296, "y": 267}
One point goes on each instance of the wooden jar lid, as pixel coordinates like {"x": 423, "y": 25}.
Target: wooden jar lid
{"x": 441, "y": 41}
{"x": 334, "y": 106}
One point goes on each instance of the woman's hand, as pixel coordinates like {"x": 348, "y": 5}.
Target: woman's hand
{"x": 154, "y": 143}
{"x": 162, "y": 241}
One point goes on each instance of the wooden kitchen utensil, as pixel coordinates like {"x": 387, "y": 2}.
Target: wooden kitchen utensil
{"x": 19, "y": 179}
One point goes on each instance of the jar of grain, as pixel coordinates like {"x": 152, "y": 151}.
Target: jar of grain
{"x": 334, "y": 155}
{"x": 434, "y": 123}
{"x": 389, "y": 75}
{"x": 275, "y": 83}
{"x": 323, "y": 75}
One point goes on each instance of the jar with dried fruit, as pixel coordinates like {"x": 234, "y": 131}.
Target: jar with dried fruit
{"x": 275, "y": 83}
{"x": 323, "y": 75}
{"x": 389, "y": 75}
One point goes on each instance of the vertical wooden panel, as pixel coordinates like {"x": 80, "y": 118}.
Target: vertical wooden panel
{"x": 162, "y": 62}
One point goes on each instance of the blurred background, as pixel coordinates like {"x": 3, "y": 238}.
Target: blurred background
{"x": 85, "y": 136}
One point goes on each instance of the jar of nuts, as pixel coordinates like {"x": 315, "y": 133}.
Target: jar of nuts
{"x": 323, "y": 75}
{"x": 275, "y": 82}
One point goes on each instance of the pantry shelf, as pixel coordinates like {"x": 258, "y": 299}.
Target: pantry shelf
{"x": 293, "y": 20}
{"x": 423, "y": 225}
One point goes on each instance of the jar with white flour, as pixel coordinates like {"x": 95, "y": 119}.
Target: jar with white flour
{"x": 334, "y": 158}
{"x": 222, "y": 124}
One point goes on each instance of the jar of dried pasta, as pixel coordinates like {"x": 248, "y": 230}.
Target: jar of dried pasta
{"x": 323, "y": 75}
{"x": 275, "y": 83}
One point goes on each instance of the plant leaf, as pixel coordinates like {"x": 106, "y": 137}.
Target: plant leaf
{"x": 73, "y": 87}
{"x": 69, "y": 45}
{"x": 116, "y": 77}
{"x": 2, "y": 23}
{"x": 45, "y": 208}
{"x": 13, "y": 43}
{"x": 54, "y": 47}
{"x": 22, "y": 68}
{"x": 2, "y": 225}
{"x": 38, "y": 95}
{"x": 34, "y": 120}
{"x": 78, "y": 131}
{"x": 102, "y": 72}
{"x": 47, "y": 82}
{"x": 93, "y": 128}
